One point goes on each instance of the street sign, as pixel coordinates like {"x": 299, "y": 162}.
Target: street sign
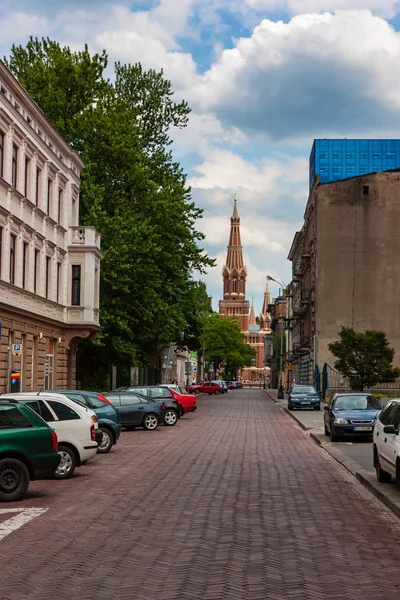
{"x": 16, "y": 349}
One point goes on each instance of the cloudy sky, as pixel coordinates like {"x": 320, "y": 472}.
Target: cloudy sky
{"x": 263, "y": 78}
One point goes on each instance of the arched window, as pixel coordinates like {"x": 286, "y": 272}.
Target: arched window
{"x": 226, "y": 291}
{"x": 234, "y": 290}
{"x": 242, "y": 285}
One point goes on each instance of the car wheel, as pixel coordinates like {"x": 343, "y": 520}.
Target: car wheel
{"x": 14, "y": 479}
{"x": 68, "y": 463}
{"x": 381, "y": 475}
{"x": 290, "y": 406}
{"x": 107, "y": 442}
{"x": 217, "y": 392}
{"x": 150, "y": 422}
{"x": 334, "y": 437}
{"x": 171, "y": 418}
{"x": 197, "y": 391}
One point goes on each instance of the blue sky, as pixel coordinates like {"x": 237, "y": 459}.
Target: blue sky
{"x": 263, "y": 79}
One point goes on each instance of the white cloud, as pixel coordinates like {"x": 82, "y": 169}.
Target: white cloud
{"x": 316, "y": 74}
{"x": 386, "y": 8}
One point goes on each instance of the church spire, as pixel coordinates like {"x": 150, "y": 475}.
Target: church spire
{"x": 252, "y": 319}
{"x": 265, "y": 316}
{"x": 234, "y": 257}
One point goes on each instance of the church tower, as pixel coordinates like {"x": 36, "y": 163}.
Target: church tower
{"x": 234, "y": 275}
{"x": 265, "y": 317}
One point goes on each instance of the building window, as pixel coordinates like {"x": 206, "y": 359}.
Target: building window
{"x": 59, "y": 274}
{"x": 76, "y": 285}
{"x": 390, "y": 155}
{"x": 234, "y": 280}
{"x": 1, "y": 250}
{"x": 48, "y": 273}
{"x": 349, "y": 169}
{"x": 38, "y": 184}
{"x": 350, "y": 155}
{"x": 365, "y": 190}
{"x": 13, "y": 240}
{"x": 49, "y": 190}
{"x": 337, "y": 169}
{"x": 2, "y": 139}
{"x": 24, "y": 263}
{"x": 363, "y": 155}
{"x": 36, "y": 272}
{"x": 27, "y": 174}
{"x": 323, "y": 155}
{"x": 14, "y": 171}
{"x": 337, "y": 155}
{"x": 60, "y": 205}
{"x": 377, "y": 155}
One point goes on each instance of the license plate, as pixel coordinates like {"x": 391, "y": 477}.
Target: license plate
{"x": 306, "y": 402}
{"x": 362, "y": 428}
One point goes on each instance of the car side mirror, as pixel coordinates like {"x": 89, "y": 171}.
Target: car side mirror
{"x": 390, "y": 429}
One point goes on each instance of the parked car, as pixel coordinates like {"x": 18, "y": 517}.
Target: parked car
{"x": 106, "y": 414}
{"x": 74, "y": 424}
{"x": 172, "y": 386}
{"x": 28, "y": 450}
{"x": 184, "y": 403}
{"x": 234, "y": 385}
{"x": 351, "y": 414}
{"x": 222, "y": 384}
{"x": 386, "y": 439}
{"x": 304, "y": 396}
{"x": 135, "y": 410}
{"x": 208, "y": 387}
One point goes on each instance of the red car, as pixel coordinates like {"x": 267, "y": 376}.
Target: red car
{"x": 208, "y": 387}
{"x": 187, "y": 402}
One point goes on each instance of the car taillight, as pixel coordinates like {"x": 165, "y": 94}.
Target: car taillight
{"x": 54, "y": 440}
{"x": 103, "y": 398}
{"x": 92, "y": 433}
{"x": 94, "y": 419}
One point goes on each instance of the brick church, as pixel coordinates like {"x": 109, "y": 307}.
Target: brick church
{"x": 235, "y": 304}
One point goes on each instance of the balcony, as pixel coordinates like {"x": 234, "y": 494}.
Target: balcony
{"x": 84, "y": 236}
{"x": 305, "y": 297}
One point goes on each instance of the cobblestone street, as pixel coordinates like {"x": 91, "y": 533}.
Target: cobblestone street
{"x": 234, "y": 503}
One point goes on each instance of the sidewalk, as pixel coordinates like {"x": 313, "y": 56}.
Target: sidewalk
{"x": 356, "y": 458}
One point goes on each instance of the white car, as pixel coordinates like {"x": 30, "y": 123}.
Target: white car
{"x": 76, "y": 427}
{"x": 387, "y": 443}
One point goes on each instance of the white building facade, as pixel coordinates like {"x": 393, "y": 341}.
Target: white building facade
{"x": 49, "y": 265}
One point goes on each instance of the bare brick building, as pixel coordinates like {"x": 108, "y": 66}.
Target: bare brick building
{"x": 345, "y": 267}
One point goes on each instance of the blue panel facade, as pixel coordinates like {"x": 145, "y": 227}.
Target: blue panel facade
{"x": 341, "y": 159}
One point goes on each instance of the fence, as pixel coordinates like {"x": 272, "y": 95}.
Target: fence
{"x": 330, "y": 378}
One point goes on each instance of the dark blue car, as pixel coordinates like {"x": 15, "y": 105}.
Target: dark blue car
{"x": 304, "y": 396}
{"x": 351, "y": 415}
{"x": 106, "y": 414}
{"x": 135, "y": 410}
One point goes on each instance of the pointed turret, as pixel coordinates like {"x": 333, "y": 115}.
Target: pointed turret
{"x": 265, "y": 318}
{"x": 252, "y": 318}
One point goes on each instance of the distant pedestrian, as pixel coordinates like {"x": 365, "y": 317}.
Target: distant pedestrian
{"x": 193, "y": 381}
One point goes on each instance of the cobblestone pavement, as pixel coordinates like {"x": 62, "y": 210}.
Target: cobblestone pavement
{"x": 234, "y": 503}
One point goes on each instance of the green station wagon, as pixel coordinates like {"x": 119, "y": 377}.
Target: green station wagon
{"x": 28, "y": 449}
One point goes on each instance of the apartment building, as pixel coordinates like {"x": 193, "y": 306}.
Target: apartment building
{"x": 49, "y": 265}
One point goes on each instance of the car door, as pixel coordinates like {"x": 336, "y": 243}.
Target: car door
{"x": 328, "y": 414}
{"x": 132, "y": 409}
{"x": 381, "y": 439}
{"x": 69, "y": 426}
{"x": 392, "y": 441}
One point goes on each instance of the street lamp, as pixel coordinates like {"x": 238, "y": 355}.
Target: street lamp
{"x": 280, "y": 386}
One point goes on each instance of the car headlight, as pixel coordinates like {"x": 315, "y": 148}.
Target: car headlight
{"x": 340, "y": 421}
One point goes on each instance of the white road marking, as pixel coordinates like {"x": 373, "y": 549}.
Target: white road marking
{"x": 20, "y": 518}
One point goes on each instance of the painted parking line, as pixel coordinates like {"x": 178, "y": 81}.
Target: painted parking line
{"x": 18, "y": 518}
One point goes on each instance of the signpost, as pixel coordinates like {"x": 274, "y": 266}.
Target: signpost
{"x": 16, "y": 349}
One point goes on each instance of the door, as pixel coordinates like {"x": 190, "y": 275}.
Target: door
{"x": 393, "y": 441}
{"x": 132, "y": 409}
{"x": 383, "y": 440}
{"x": 69, "y": 426}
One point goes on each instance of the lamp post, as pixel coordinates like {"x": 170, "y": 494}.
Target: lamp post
{"x": 280, "y": 384}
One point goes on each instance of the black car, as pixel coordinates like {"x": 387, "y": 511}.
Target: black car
{"x": 135, "y": 410}
{"x": 156, "y": 392}
{"x": 132, "y": 396}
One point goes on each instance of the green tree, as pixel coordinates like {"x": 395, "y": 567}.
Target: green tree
{"x": 225, "y": 343}
{"x": 132, "y": 190}
{"x": 364, "y": 358}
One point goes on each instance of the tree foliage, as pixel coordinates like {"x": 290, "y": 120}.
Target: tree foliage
{"x": 364, "y": 358}
{"x": 132, "y": 190}
{"x": 225, "y": 343}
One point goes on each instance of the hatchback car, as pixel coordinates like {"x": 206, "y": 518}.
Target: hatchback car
{"x": 222, "y": 384}
{"x": 387, "y": 443}
{"x": 208, "y": 387}
{"x": 74, "y": 424}
{"x": 135, "y": 410}
{"x": 28, "y": 450}
{"x": 351, "y": 414}
{"x": 304, "y": 396}
{"x": 184, "y": 403}
{"x": 106, "y": 414}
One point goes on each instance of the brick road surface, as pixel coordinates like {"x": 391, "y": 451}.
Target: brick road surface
{"x": 234, "y": 503}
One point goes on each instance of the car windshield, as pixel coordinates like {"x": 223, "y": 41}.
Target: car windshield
{"x": 356, "y": 403}
{"x": 304, "y": 389}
